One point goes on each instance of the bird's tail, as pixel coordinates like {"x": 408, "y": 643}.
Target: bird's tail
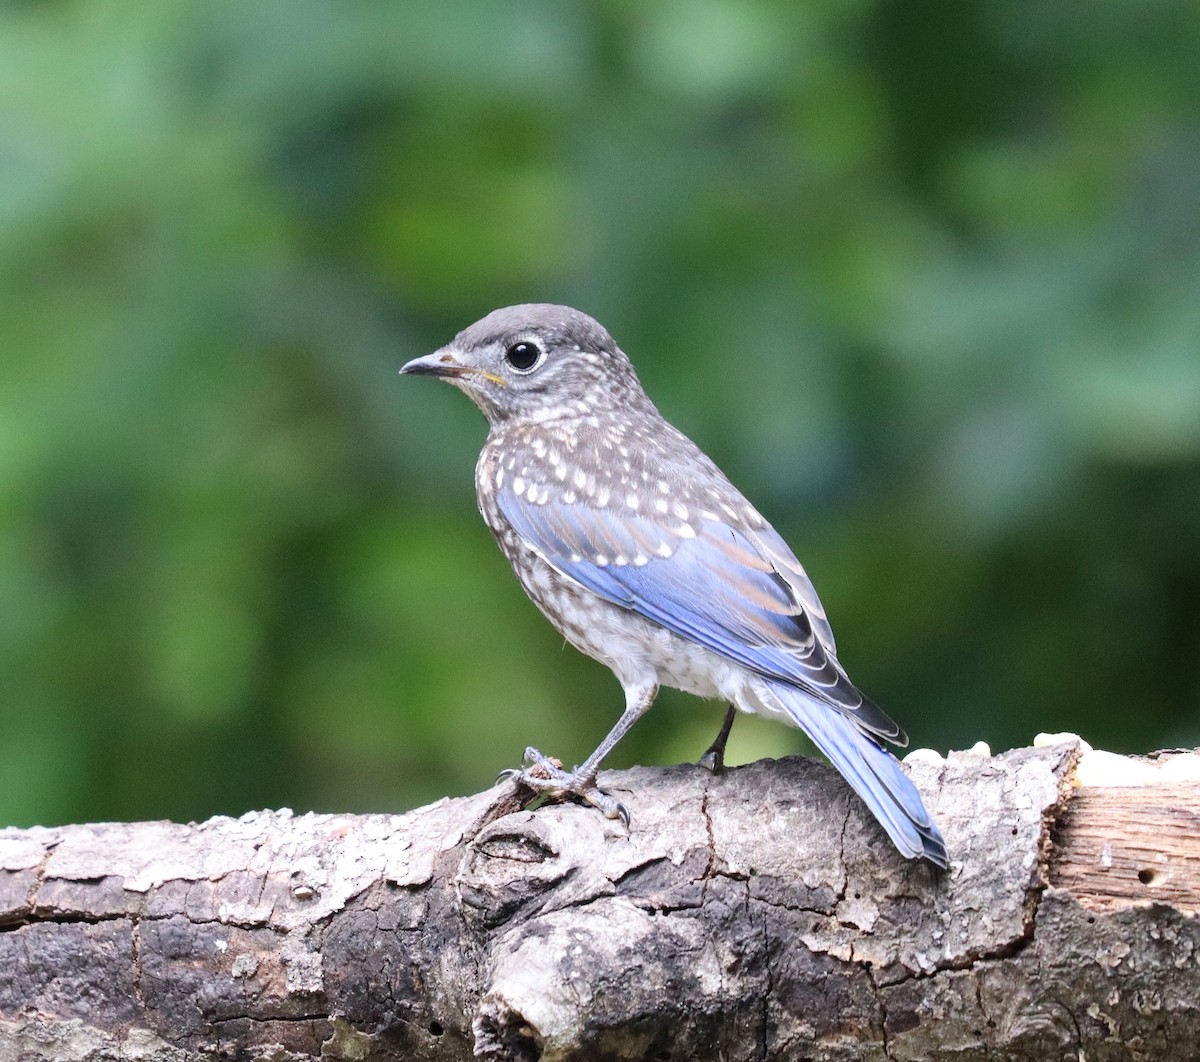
{"x": 873, "y": 772}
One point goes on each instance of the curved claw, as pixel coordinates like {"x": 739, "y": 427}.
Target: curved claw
{"x": 609, "y": 806}
{"x": 623, "y": 814}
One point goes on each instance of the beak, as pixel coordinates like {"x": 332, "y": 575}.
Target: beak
{"x": 443, "y": 363}
{"x": 439, "y": 363}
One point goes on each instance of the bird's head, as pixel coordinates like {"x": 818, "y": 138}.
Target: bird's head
{"x": 535, "y": 362}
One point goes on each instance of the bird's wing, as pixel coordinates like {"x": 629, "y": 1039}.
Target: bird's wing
{"x": 737, "y": 591}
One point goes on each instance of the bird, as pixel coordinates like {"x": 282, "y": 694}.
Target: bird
{"x": 640, "y": 551}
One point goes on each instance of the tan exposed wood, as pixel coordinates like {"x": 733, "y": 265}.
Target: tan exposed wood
{"x": 1122, "y": 845}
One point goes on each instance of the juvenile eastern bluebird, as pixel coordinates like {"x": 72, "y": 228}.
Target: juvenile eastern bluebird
{"x": 638, "y": 549}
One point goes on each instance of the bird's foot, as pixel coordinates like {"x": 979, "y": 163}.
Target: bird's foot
{"x": 714, "y": 756}
{"x": 713, "y": 760}
{"x": 543, "y": 774}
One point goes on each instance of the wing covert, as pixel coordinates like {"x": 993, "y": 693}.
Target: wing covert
{"x": 735, "y": 590}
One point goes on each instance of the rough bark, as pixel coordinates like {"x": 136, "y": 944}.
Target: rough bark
{"x": 757, "y": 914}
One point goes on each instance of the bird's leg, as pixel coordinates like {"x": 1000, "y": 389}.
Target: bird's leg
{"x": 714, "y": 756}
{"x": 545, "y": 776}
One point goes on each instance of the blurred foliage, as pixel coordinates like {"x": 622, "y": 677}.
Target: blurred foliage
{"x": 925, "y": 282}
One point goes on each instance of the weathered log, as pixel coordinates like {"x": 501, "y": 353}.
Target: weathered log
{"x": 756, "y": 914}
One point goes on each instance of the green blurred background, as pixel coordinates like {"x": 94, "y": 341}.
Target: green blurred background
{"x": 924, "y": 279}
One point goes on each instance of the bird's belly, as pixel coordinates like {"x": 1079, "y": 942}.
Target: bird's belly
{"x": 635, "y": 648}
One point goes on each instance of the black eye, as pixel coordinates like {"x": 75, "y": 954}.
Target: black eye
{"x": 523, "y": 356}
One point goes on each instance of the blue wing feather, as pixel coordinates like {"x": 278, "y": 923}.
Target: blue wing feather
{"x": 707, "y": 581}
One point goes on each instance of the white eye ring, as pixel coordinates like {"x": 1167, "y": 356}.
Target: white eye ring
{"x": 524, "y": 356}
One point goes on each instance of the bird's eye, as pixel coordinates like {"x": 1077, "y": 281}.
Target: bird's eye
{"x": 523, "y": 356}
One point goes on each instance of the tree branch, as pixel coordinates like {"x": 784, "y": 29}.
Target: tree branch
{"x": 758, "y": 914}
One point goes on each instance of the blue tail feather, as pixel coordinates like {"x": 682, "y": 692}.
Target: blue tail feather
{"x": 873, "y": 772}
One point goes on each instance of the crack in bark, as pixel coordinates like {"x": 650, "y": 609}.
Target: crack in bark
{"x": 708, "y": 829}
{"x": 1079, "y": 1053}
{"x": 37, "y": 917}
{"x": 884, "y": 1032}
{"x": 44, "y": 916}
{"x": 273, "y": 1019}
{"x": 842, "y": 856}
{"x": 769, "y": 991}
{"x": 135, "y": 937}
{"x": 40, "y": 877}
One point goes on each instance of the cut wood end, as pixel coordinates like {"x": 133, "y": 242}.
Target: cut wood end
{"x": 1130, "y": 834}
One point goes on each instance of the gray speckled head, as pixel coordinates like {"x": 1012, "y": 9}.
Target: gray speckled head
{"x": 562, "y": 326}
{"x": 536, "y": 361}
